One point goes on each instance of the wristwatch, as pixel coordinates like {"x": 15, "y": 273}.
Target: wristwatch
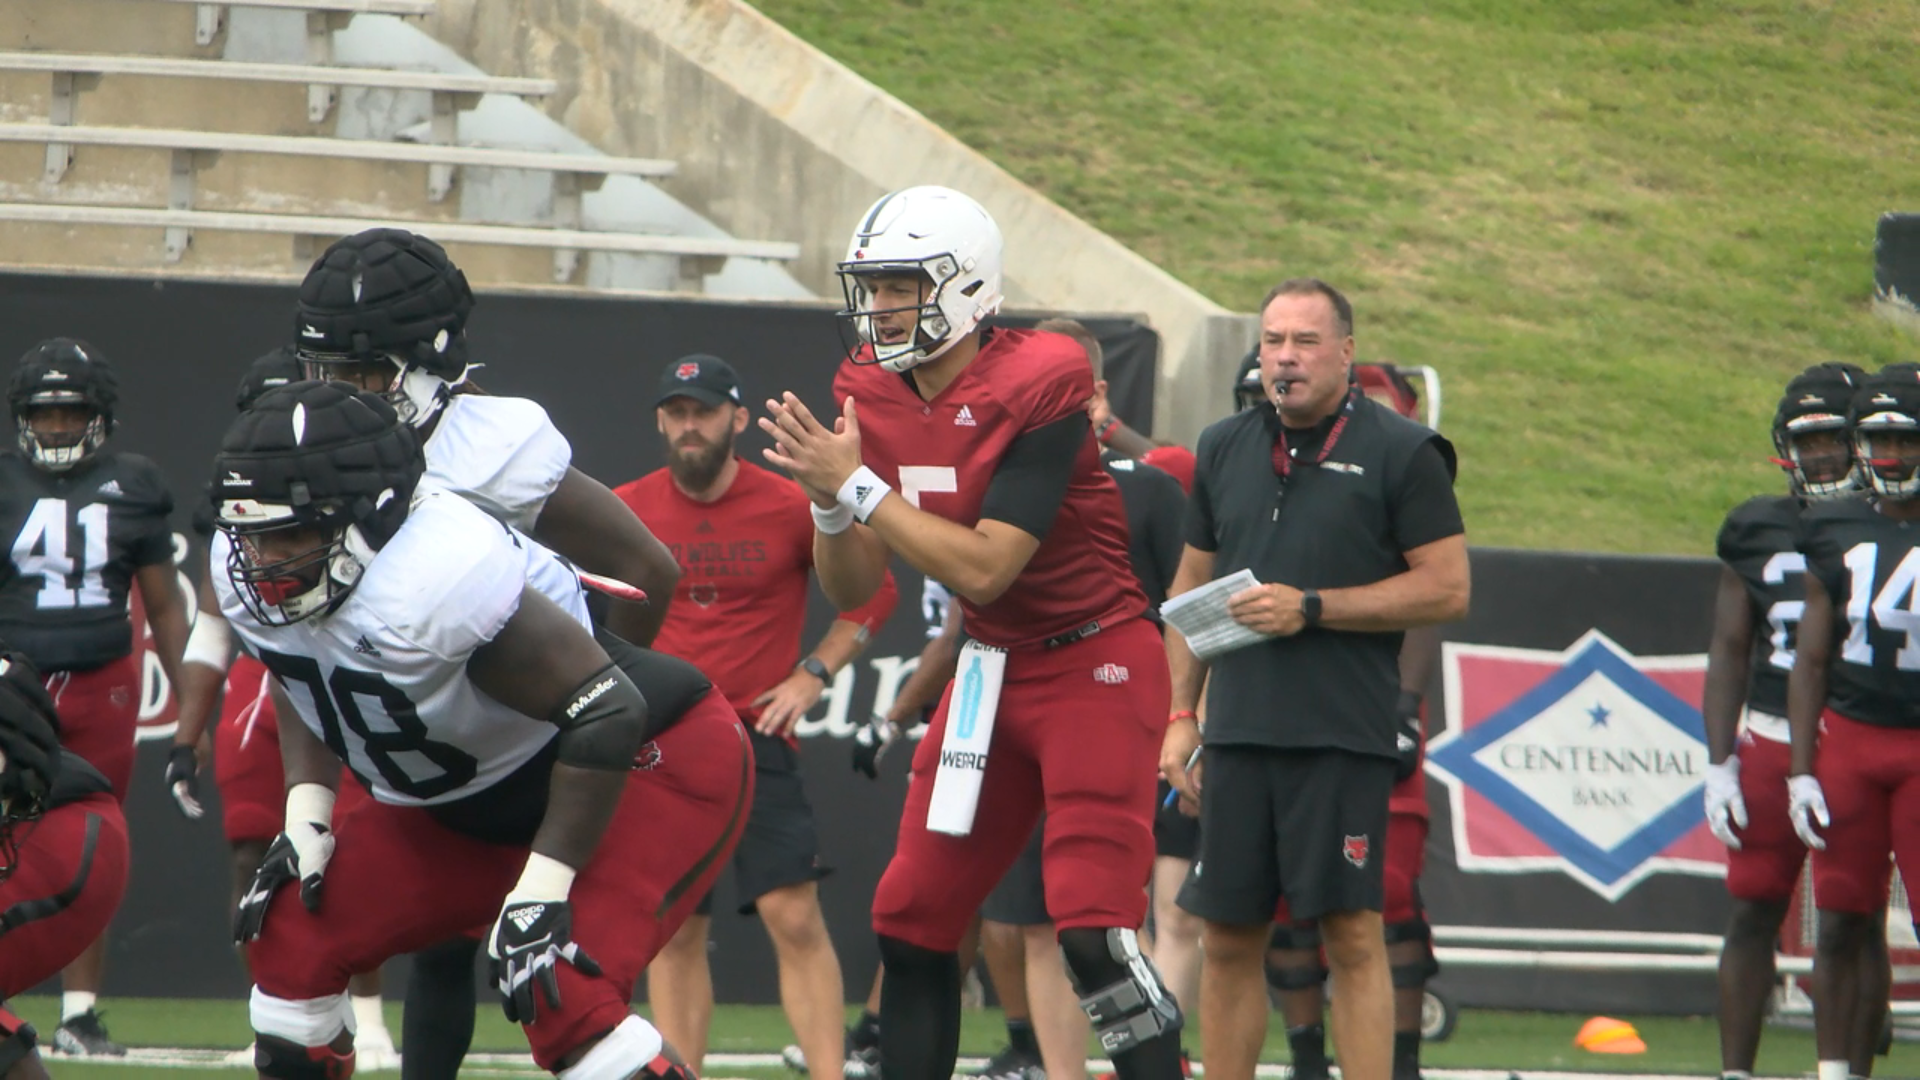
{"x": 1310, "y": 606}
{"x": 815, "y": 667}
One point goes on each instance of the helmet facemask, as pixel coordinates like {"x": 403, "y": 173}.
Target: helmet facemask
{"x": 61, "y": 452}
{"x": 311, "y": 581}
{"x": 1817, "y": 456}
{"x": 933, "y": 331}
{"x": 415, "y": 393}
{"x": 1887, "y": 446}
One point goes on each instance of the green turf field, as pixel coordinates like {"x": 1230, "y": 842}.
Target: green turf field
{"x": 1616, "y": 226}
{"x": 1484, "y": 1040}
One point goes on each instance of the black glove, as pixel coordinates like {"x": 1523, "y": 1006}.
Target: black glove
{"x": 529, "y": 940}
{"x": 1407, "y": 735}
{"x": 183, "y": 781}
{"x": 29, "y": 739}
{"x": 870, "y": 744}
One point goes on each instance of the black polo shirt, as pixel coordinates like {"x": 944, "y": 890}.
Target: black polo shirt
{"x": 1385, "y": 488}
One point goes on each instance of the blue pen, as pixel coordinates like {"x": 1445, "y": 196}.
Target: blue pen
{"x": 1174, "y": 795}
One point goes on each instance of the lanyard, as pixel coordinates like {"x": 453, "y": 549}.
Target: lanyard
{"x": 1283, "y": 457}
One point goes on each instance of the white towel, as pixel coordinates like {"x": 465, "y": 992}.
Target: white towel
{"x": 963, "y": 751}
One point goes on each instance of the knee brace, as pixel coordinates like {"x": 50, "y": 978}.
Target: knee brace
{"x": 631, "y": 1049}
{"x": 284, "y": 1059}
{"x": 1413, "y": 976}
{"x": 1119, "y": 990}
{"x": 1295, "y": 939}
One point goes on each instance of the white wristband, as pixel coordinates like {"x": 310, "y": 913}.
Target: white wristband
{"x": 544, "y": 878}
{"x": 862, "y": 492}
{"x": 832, "y": 521}
{"x": 310, "y": 803}
{"x": 210, "y": 644}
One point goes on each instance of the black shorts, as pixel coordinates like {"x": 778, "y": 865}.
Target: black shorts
{"x": 1021, "y": 897}
{"x": 1308, "y": 825}
{"x": 780, "y": 845}
{"x": 1175, "y": 835}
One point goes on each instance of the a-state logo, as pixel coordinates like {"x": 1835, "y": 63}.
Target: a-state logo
{"x": 686, "y": 371}
{"x": 1355, "y": 848}
{"x": 1110, "y": 674}
{"x": 1589, "y": 761}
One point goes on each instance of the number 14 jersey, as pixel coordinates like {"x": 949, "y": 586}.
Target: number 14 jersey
{"x": 1870, "y": 566}
{"x": 75, "y": 541}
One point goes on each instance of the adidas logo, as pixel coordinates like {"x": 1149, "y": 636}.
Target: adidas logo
{"x": 365, "y": 647}
{"x": 964, "y": 418}
{"x": 704, "y": 527}
{"x": 527, "y": 916}
{"x": 310, "y": 332}
{"x": 861, "y": 492}
{"x": 111, "y": 487}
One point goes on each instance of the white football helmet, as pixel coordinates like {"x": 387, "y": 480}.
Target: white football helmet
{"x": 937, "y": 233}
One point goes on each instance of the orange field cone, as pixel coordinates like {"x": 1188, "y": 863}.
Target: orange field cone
{"x": 1605, "y": 1035}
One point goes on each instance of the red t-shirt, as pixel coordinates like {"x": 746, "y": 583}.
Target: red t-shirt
{"x": 940, "y": 455}
{"x": 744, "y": 558}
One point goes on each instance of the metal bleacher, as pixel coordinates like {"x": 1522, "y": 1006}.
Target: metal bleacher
{"x": 157, "y": 154}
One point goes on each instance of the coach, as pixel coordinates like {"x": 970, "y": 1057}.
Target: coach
{"x": 1344, "y": 512}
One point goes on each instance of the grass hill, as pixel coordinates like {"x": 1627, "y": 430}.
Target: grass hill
{"x": 1616, "y": 226}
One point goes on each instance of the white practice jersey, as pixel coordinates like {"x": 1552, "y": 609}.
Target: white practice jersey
{"x": 382, "y": 679}
{"x": 500, "y": 453}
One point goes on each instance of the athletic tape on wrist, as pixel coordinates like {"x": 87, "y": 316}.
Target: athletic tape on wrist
{"x": 310, "y": 803}
{"x": 545, "y": 878}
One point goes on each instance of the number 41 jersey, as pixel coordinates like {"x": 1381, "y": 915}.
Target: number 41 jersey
{"x": 1870, "y": 566}
{"x": 75, "y": 540}
{"x": 382, "y": 679}
{"x": 1758, "y": 542}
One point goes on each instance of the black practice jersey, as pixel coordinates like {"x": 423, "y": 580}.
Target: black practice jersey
{"x": 1757, "y": 542}
{"x": 74, "y": 541}
{"x": 1870, "y": 567}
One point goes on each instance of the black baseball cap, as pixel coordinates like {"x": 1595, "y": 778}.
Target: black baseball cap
{"x": 708, "y": 380}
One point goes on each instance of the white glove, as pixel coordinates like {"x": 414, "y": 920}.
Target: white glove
{"x": 1726, "y": 810}
{"x": 1806, "y": 805}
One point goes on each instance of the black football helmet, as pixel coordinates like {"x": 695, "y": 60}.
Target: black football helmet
{"x": 268, "y": 372}
{"x": 1885, "y": 421}
{"x": 1247, "y": 391}
{"x": 29, "y": 751}
{"x": 317, "y": 459}
{"x": 70, "y": 372}
{"x": 387, "y": 296}
{"x": 1810, "y": 432}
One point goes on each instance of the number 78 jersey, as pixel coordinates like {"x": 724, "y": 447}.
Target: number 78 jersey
{"x": 75, "y": 541}
{"x": 1870, "y": 566}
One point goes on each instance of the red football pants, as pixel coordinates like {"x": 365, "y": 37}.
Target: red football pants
{"x": 1871, "y": 778}
{"x": 68, "y": 877}
{"x": 99, "y": 715}
{"x": 1767, "y": 866}
{"x": 400, "y": 881}
{"x": 1077, "y": 733}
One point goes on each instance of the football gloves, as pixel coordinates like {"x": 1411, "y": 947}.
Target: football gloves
{"x": 1726, "y": 808}
{"x": 300, "y": 853}
{"x": 533, "y": 934}
{"x": 183, "y": 781}
{"x": 870, "y": 744}
{"x": 1806, "y": 807}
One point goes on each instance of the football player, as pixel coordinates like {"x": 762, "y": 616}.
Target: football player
{"x": 967, "y": 450}
{"x": 450, "y": 663}
{"x": 1853, "y": 704}
{"x": 63, "y": 854}
{"x": 1756, "y": 616}
{"x": 247, "y": 752}
{"x": 86, "y": 523}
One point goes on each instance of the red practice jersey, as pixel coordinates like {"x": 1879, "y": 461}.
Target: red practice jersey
{"x": 940, "y": 455}
{"x": 744, "y": 559}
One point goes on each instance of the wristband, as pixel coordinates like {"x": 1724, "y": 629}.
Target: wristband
{"x": 1106, "y": 429}
{"x": 1310, "y": 607}
{"x": 310, "y": 804}
{"x": 862, "y": 492}
{"x": 1183, "y": 714}
{"x": 544, "y": 878}
{"x": 1410, "y": 702}
{"x": 210, "y": 644}
{"x": 833, "y": 520}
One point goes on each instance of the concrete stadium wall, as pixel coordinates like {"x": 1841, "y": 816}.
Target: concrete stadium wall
{"x": 774, "y": 137}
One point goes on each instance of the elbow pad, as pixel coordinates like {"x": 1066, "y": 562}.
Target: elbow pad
{"x": 603, "y": 723}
